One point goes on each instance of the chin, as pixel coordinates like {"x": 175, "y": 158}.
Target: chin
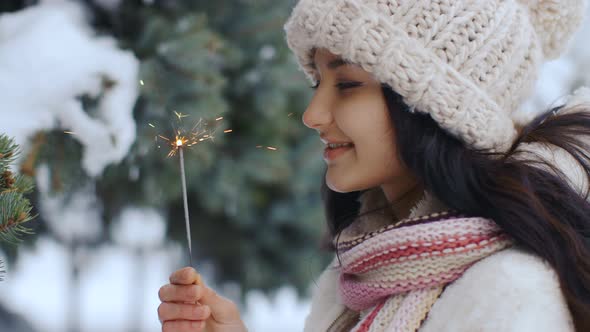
{"x": 343, "y": 184}
{"x": 340, "y": 187}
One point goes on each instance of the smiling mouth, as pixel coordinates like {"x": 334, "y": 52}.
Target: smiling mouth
{"x": 334, "y": 152}
{"x": 339, "y": 145}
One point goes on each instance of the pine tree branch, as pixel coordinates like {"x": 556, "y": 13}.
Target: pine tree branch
{"x": 15, "y": 209}
{"x": 8, "y": 152}
{"x": 14, "y": 212}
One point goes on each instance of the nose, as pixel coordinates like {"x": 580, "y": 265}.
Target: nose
{"x": 317, "y": 114}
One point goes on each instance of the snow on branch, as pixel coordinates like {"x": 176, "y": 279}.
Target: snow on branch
{"x": 49, "y": 58}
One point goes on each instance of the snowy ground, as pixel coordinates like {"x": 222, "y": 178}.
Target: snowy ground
{"x": 38, "y": 287}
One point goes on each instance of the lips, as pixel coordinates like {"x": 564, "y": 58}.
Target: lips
{"x": 332, "y": 153}
{"x": 332, "y": 140}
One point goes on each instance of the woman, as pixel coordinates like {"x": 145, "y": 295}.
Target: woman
{"x": 445, "y": 210}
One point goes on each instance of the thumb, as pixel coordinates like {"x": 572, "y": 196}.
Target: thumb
{"x": 223, "y": 310}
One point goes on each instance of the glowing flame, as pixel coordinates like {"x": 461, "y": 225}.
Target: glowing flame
{"x": 186, "y": 139}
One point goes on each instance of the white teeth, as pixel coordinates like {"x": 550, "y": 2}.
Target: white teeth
{"x": 337, "y": 145}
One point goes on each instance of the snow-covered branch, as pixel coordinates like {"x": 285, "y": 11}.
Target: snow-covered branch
{"x": 49, "y": 57}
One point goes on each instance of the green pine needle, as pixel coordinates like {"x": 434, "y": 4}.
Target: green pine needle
{"x": 15, "y": 208}
{"x": 8, "y": 151}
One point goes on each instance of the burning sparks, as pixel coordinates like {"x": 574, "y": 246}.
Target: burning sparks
{"x": 197, "y": 135}
{"x": 180, "y": 115}
{"x": 177, "y": 143}
{"x": 186, "y": 139}
{"x": 272, "y": 148}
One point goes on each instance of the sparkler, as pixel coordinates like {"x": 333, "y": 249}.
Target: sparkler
{"x": 177, "y": 145}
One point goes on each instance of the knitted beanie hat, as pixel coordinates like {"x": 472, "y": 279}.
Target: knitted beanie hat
{"x": 468, "y": 63}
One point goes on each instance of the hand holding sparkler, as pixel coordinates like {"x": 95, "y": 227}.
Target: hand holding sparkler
{"x": 187, "y": 304}
{"x": 212, "y": 313}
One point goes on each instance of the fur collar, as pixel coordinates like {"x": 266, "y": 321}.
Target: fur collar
{"x": 374, "y": 198}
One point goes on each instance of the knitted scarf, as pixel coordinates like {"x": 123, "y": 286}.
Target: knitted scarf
{"x": 393, "y": 275}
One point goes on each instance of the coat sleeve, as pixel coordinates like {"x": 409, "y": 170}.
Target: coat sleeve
{"x": 508, "y": 291}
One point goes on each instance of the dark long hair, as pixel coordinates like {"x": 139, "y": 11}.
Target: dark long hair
{"x": 527, "y": 197}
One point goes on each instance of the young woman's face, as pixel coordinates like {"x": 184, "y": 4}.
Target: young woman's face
{"x": 349, "y": 106}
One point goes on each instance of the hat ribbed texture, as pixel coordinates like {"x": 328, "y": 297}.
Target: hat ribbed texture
{"x": 469, "y": 64}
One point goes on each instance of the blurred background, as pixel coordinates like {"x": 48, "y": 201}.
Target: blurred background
{"x": 87, "y": 86}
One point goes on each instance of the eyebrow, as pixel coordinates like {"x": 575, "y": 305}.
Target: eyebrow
{"x": 337, "y": 63}
{"x": 334, "y": 63}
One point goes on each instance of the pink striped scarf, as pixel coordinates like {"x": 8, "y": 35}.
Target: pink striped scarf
{"x": 394, "y": 275}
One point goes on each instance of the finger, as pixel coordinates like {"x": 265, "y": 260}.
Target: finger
{"x": 182, "y": 326}
{"x": 174, "y": 311}
{"x": 185, "y": 276}
{"x": 180, "y": 293}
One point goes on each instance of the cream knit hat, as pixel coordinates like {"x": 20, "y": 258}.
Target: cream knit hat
{"x": 467, "y": 63}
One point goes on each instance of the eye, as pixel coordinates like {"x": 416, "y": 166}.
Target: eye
{"x": 348, "y": 85}
{"x": 341, "y": 85}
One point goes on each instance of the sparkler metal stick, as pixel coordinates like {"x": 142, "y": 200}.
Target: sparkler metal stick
{"x": 180, "y": 141}
{"x": 186, "y": 219}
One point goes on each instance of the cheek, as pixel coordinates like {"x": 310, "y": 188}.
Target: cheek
{"x": 371, "y": 130}
{"x": 380, "y": 155}
{"x": 364, "y": 119}
{"x": 374, "y": 163}
{"x": 375, "y": 159}
{"x": 377, "y": 148}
